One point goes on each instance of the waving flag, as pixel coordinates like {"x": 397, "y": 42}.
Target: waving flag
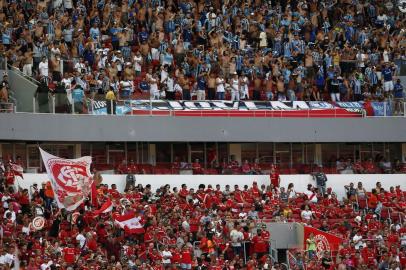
{"x": 17, "y": 169}
{"x": 70, "y": 179}
{"x": 324, "y": 241}
{"x": 105, "y": 208}
{"x": 130, "y": 223}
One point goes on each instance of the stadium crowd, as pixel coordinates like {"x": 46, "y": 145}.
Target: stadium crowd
{"x": 213, "y": 227}
{"x": 260, "y": 50}
{"x": 232, "y": 166}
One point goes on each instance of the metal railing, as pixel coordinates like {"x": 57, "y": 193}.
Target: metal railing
{"x": 19, "y": 72}
{"x": 391, "y": 108}
{"x": 7, "y": 107}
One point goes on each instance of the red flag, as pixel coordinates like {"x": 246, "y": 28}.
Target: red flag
{"x": 17, "y": 169}
{"x": 324, "y": 241}
{"x": 130, "y": 223}
{"x": 105, "y": 208}
{"x": 93, "y": 195}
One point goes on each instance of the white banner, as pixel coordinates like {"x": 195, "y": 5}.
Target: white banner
{"x": 71, "y": 179}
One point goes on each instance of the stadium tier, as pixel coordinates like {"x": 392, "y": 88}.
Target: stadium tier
{"x": 204, "y": 135}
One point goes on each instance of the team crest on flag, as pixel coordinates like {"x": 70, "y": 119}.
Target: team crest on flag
{"x": 324, "y": 241}
{"x": 71, "y": 179}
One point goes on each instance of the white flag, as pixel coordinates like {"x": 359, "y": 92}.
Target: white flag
{"x": 71, "y": 179}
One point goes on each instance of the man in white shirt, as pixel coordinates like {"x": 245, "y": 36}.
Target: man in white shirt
{"x": 43, "y": 67}
{"x": 153, "y": 87}
{"x": 119, "y": 60}
{"x": 357, "y": 240}
{"x": 80, "y": 66}
{"x": 137, "y": 63}
{"x": 6, "y": 258}
{"x": 186, "y": 225}
{"x": 67, "y": 82}
{"x": 220, "y": 90}
{"x": 263, "y": 42}
{"x": 170, "y": 89}
{"x": 236, "y": 238}
{"x": 81, "y": 239}
{"x": 46, "y": 265}
{"x": 166, "y": 256}
{"x": 311, "y": 195}
{"x": 13, "y": 213}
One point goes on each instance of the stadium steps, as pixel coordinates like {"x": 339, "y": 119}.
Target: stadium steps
{"x": 22, "y": 89}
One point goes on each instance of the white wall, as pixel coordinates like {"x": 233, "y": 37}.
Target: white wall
{"x": 156, "y": 181}
{"x": 336, "y": 181}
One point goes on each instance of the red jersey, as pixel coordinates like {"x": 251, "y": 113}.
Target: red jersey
{"x": 186, "y": 257}
{"x": 69, "y": 255}
{"x": 9, "y": 176}
{"x": 260, "y": 244}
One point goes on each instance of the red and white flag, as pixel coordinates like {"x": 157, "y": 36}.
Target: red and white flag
{"x": 17, "y": 169}
{"x": 105, "y": 208}
{"x": 130, "y": 223}
{"x": 324, "y": 241}
{"x": 71, "y": 179}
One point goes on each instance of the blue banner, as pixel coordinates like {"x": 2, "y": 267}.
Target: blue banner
{"x": 379, "y": 108}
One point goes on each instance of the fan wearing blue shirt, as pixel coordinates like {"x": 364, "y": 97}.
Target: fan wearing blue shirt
{"x": 78, "y": 96}
{"x": 388, "y": 79}
{"x": 399, "y": 97}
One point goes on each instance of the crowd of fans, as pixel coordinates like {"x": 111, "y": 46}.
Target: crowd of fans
{"x": 213, "y": 227}
{"x": 232, "y": 166}
{"x": 260, "y": 50}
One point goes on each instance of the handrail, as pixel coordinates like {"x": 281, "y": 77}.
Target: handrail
{"x": 19, "y": 72}
{"x": 395, "y": 108}
{"x": 7, "y": 107}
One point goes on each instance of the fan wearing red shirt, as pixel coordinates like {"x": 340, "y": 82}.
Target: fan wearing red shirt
{"x": 176, "y": 256}
{"x": 91, "y": 243}
{"x": 260, "y": 244}
{"x": 197, "y": 167}
{"x": 246, "y": 168}
{"x": 373, "y": 199}
{"x": 238, "y": 195}
{"x": 114, "y": 192}
{"x": 154, "y": 255}
{"x": 69, "y": 254}
{"x": 345, "y": 249}
{"x": 122, "y": 168}
{"x": 247, "y": 195}
{"x": 369, "y": 255}
{"x": 256, "y": 168}
{"x": 369, "y": 166}
{"x": 9, "y": 176}
{"x": 218, "y": 191}
{"x": 186, "y": 258}
{"x": 255, "y": 192}
{"x": 200, "y": 194}
{"x": 24, "y": 201}
{"x": 265, "y": 233}
{"x": 274, "y": 176}
{"x": 194, "y": 223}
{"x": 183, "y": 191}
{"x": 132, "y": 167}
{"x": 402, "y": 258}
{"x": 393, "y": 238}
{"x": 357, "y": 167}
{"x": 215, "y": 199}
